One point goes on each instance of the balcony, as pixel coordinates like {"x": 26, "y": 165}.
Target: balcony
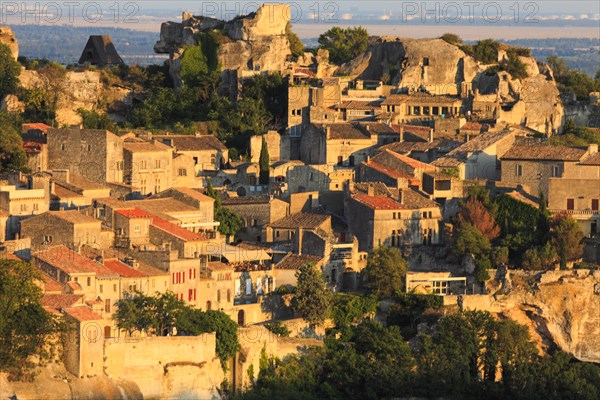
{"x": 576, "y": 213}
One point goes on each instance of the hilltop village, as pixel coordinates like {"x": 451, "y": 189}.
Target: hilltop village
{"x": 395, "y": 149}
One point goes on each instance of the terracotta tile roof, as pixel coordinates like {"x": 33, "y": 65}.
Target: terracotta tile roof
{"x": 177, "y": 231}
{"x": 544, "y": 152}
{"x": 31, "y": 147}
{"x": 123, "y": 269}
{"x": 83, "y": 314}
{"x": 379, "y": 188}
{"x": 391, "y": 172}
{"x": 416, "y": 164}
{"x": 232, "y": 201}
{"x": 70, "y": 262}
{"x": 35, "y": 126}
{"x": 144, "y": 147}
{"x": 160, "y": 207}
{"x": 50, "y": 285}
{"x": 378, "y": 202}
{"x": 395, "y": 100}
{"x": 472, "y": 126}
{"x": 593, "y": 159}
{"x": 134, "y": 213}
{"x": 219, "y": 266}
{"x": 74, "y": 217}
{"x": 294, "y": 261}
{"x": 58, "y": 301}
{"x": 359, "y": 105}
{"x": 344, "y": 131}
{"x": 195, "y": 194}
{"x": 460, "y": 154}
{"x": 149, "y": 270}
{"x": 192, "y": 143}
{"x": 301, "y": 220}
{"x": 413, "y": 200}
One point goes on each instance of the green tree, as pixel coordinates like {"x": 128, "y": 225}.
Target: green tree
{"x": 385, "y": 272}
{"x": 25, "y": 326}
{"x": 312, "y": 299}
{"x": 296, "y": 46}
{"x": 95, "y": 120}
{"x": 229, "y": 222}
{"x": 566, "y": 238}
{"x": 154, "y": 315}
{"x": 264, "y": 163}
{"x": 469, "y": 240}
{"x": 349, "y": 309}
{"x": 451, "y": 38}
{"x": 9, "y": 72}
{"x": 12, "y": 155}
{"x": 194, "y": 322}
{"x": 344, "y": 44}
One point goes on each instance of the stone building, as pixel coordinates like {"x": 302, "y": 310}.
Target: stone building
{"x": 284, "y": 229}
{"x": 480, "y": 157}
{"x": 68, "y": 228}
{"x": 20, "y": 203}
{"x": 207, "y": 151}
{"x": 256, "y": 212}
{"x": 84, "y": 344}
{"x": 569, "y": 178}
{"x": 184, "y": 171}
{"x": 148, "y": 166}
{"x": 74, "y": 191}
{"x": 396, "y": 170}
{"x": 342, "y": 144}
{"x": 93, "y": 154}
{"x": 379, "y": 216}
{"x": 419, "y": 108}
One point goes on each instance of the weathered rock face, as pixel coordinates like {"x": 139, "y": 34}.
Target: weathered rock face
{"x": 441, "y": 68}
{"x": 562, "y": 308}
{"x": 255, "y": 43}
{"x": 7, "y": 37}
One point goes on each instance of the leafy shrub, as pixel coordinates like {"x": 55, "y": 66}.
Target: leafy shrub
{"x": 278, "y": 328}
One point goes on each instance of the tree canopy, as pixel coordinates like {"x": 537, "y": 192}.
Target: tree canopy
{"x": 344, "y": 44}
{"x": 9, "y": 72}
{"x": 12, "y": 155}
{"x": 24, "y": 324}
{"x": 385, "y": 272}
{"x": 264, "y": 163}
{"x": 312, "y": 298}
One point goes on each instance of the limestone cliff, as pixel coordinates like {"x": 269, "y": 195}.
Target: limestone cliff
{"x": 252, "y": 44}
{"x": 7, "y": 37}
{"x": 444, "y": 69}
{"x": 562, "y": 308}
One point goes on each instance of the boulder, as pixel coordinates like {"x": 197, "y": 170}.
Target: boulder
{"x": 7, "y": 37}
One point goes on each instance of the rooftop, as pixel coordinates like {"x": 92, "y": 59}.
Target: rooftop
{"x": 58, "y": 301}
{"x": 70, "y": 262}
{"x": 592, "y": 159}
{"x": 74, "y": 217}
{"x": 301, "y": 220}
{"x": 232, "y": 201}
{"x": 378, "y": 202}
{"x": 359, "y": 105}
{"x": 83, "y": 314}
{"x": 123, "y": 269}
{"x": 416, "y": 164}
{"x": 195, "y": 194}
{"x": 192, "y": 143}
{"x": 294, "y": 261}
{"x": 134, "y": 213}
{"x": 544, "y": 152}
{"x": 145, "y": 147}
{"x": 480, "y": 143}
{"x": 177, "y": 231}
{"x": 35, "y": 126}
{"x": 344, "y": 131}
{"x": 392, "y": 173}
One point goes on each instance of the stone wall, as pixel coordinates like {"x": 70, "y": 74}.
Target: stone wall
{"x": 166, "y": 367}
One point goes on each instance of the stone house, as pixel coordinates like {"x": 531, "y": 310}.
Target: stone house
{"x": 217, "y": 287}
{"x": 20, "y": 203}
{"x": 358, "y": 110}
{"x": 94, "y": 280}
{"x": 479, "y": 157}
{"x": 207, "y": 151}
{"x": 567, "y": 177}
{"x": 419, "y": 107}
{"x": 379, "y": 216}
{"x": 35, "y": 145}
{"x": 284, "y": 272}
{"x": 74, "y": 191}
{"x": 342, "y": 144}
{"x": 256, "y": 212}
{"x": 136, "y": 276}
{"x": 285, "y": 228}
{"x": 148, "y": 166}
{"x": 204, "y": 218}
{"x": 83, "y": 345}
{"x": 92, "y": 153}
{"x": 69, "y": 228}
{"x": 395, "y": 168}
{"x": 132, "y": 227}
{"x": 318, "y": 178}
{"x": 184, "y": 171}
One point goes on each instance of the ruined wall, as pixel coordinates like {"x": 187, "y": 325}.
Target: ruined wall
{"x": 166, "y": 367}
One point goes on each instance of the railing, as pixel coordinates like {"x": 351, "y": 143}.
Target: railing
{"x": 575, "y": 212}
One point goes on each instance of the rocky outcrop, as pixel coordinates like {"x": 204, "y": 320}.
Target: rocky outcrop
{"x": 444, "y": 69}
{"x": 561, "y": 308}
{"x": 251, "y": 44}
{"x": 7, "y": 37}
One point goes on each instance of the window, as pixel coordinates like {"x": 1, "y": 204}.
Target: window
{"x": 89, "y": 147}
{"x": 570, "y": 204}
{"x": 219, "y": 295}
{"x": 23, "y": 207}
{"x": 89, "y": 281}
{"x": 156, "y": 163}
{"x": 36, "y": 207}
{"x": 143, "y": 186}
{"x": 143, "y": 164}
{"x": 63, "y": 146}
{"x": 101, "y": 288}
{"x": 228, "y": 295}
{"x": 519, "y": 171}
{"x": 156, "y": 185}
{"x": 340, "y": 160}
{"x": 352, "y": 161}
{"x": 190, "y": 292}
{"x": 182, "y": 172}
{"x": 555, "y": 171}
{"x": 115, "y": 287}
{"x": 425, "y": 61}
{"x": 107, "y": 305}
{"x": 595, "y": 205}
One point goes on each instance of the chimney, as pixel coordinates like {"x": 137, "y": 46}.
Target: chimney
{"x": 370, "y": 190}
{"x": 430, "y": 139}
{"x": 401, "y": 133}
{"x": 400, "y": 196}
{"x": 592, "y": 148}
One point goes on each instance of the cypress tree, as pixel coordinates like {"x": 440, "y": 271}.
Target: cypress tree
{"x": 264, "y": 164}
